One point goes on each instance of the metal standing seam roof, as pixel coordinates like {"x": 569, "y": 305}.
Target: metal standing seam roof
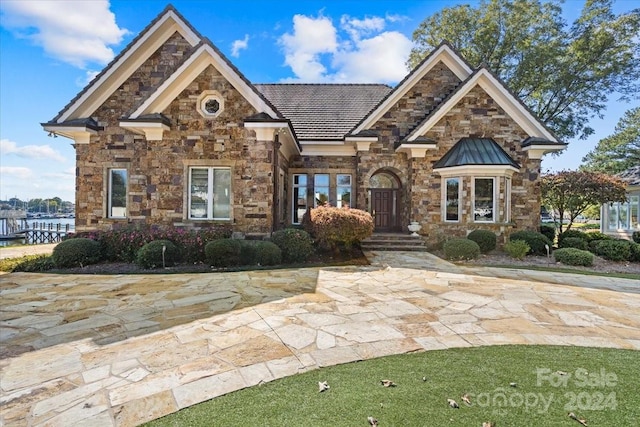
{"x": 475, "y": 151}
{"x": 323, "y": 111}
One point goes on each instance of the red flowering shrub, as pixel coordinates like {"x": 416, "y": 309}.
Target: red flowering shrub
{"x": 333, "y": 228}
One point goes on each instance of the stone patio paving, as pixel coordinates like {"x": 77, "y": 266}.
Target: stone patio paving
{"x": 122, "y": 350}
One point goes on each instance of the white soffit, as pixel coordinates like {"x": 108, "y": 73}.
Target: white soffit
{"x": 188, "y": 71}
{"x": 445, "y": 54}
{"x": 126, "y": 65}
{"x": 500, "y": 95}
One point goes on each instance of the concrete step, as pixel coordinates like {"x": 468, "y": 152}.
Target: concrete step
{"x": 393, "y": 242}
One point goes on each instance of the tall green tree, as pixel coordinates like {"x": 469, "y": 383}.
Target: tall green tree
{"x": 570, "y": 193}
{"x": 620, "y": 151}
{"x": 565, "y": 74}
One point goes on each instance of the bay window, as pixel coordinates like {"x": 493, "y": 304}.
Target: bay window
{"x": 209, "y": 193}
{"x": 484, "y": 200}
{"x": 452, "y": 199}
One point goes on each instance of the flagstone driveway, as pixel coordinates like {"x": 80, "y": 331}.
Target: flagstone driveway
{"x": 121, "y": 350}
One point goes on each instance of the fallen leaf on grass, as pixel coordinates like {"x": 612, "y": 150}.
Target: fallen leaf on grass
{"x": 465, "y": 399}
{"x": 580, "y": 420}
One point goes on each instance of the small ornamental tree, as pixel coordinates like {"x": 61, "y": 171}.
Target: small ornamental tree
{"x": 572, "y": 192}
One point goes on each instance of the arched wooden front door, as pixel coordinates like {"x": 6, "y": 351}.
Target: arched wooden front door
{"x": 384, "y": 196}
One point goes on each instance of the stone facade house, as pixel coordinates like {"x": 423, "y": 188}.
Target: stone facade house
{"x": 172, "y": 133}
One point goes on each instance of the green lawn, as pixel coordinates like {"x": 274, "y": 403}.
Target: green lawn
{"x": 600, "y": 385}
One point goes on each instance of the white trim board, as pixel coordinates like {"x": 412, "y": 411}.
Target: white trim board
{"x": 500, "y": 95}
{"x": 100, "y": 90}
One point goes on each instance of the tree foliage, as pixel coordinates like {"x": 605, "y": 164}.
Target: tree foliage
{"x": 565, "y": 74}
{"x": 572, "y": 192}
{"x": 620, "y": 151}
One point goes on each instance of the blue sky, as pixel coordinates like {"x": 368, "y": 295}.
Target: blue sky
{"x": 51, "y": 49}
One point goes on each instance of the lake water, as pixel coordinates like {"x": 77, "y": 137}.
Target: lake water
{"x": 43, "y": 223}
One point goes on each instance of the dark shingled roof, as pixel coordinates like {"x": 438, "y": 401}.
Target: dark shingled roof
{"x": 631, "y": 176}
{"x": 87, "y": 122}
{"x": 323, "y": 111}
{"x": 475, "y": 151}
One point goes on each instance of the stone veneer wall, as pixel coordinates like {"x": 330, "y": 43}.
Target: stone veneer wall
{"x": 158, "y": 170}
{"x": 476, "y": 115}
{"x": 396, "y": 124}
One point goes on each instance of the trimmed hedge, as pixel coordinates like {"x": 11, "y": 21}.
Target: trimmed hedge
{"x": 614, "y": 250}
{"x": 635, "y": 252}
{"x": 223, "y": 252}
{"x": 597, "y": 235}
{"x": 151, "y": 255}
{"x": 535, "y": 240}
{"x": 573, "y": 256}
{"x": 517, "y": 249}
{"x": 460, "y": 249}
{"x": 333, "y": 227}
{"x": 296, "y": 245}
{"x": 636, "y": 236}
{"x": 574, "y": 242}
{"x": 548, "y": 230}
{"x": 268, "y": 253}
{"x": 571, "y": 233}
{"x": 76, "y": 252}
{"x": 484, "y": 238}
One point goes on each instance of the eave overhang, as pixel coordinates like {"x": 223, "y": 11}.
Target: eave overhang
{"x": 80, "y": 130}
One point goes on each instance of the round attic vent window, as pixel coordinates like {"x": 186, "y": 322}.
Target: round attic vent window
{"x": 211, "y": 104}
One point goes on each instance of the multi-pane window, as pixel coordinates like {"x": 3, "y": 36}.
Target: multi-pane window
{"x": 299, "y": 197}
{"x": 343, "y": 191}
{"x": 209, "y": 193}
{"x": 483, "y": 202}
{"x": 117, "y": 193}
{"x": 320, "y": 189}
{"x": 624, "y": 216}
{"x": 452, "y": 199}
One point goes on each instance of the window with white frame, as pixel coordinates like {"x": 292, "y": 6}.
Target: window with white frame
{"x": 452, "y": 199}
{"x": 507, "y": 200}
{"x": 117, "y": 193}
{"x": 484, "y": 200}
{"x": 209, "y": 193}
{"x": 320, "y": 189}
{"x": 624, "y": 216}
{"x": 343, "y": 191}
{"x": 299, "y": 197}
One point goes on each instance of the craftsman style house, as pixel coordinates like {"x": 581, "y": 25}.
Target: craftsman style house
{"x": 172, "y": 133}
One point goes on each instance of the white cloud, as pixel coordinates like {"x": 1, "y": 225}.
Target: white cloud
{"x": 356, "y": 28}
{"x": 311, "y": 37}
{"x": 378, "y": 59}
{"x": 30, "y": 151}
{"x": 16, "y": 172}
{"x": 77, "y": 32}
{"x": 239, "y": 45}
{"x": 359, "y": 51}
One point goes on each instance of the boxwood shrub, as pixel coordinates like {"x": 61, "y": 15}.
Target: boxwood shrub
{"x": 459, "y": 249}
{"x": 337, "y": 228}
{"x": 268, "y": 253}
{"x": 573, "y": 242}
{"x": 517, "y": 249}
{"x": 573, "y": 256}
{"x": 571, "y": 233}
{"x": 484, "y": 238}
{"x": 535, "y": 240}
{"x": 548, "y": 230}
{"x": 76, "y": 252}
{"x": 296, "y": 244}
{"x": 223, "y": 252}
{"x": 635, "y": 252}
{"x": 597, "y": 235}
{"x": 151, "y": 254}
{"x": 636, "y": 236}
{"x": 614, "y": 250}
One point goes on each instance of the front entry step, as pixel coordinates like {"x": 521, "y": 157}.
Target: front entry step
{"x": 393, "y": 242}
